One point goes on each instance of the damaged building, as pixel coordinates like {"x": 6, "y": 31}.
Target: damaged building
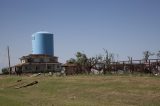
{"x": 42, "y": 58}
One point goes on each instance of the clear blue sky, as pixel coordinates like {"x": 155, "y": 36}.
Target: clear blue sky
{"x": 124, "y": 27}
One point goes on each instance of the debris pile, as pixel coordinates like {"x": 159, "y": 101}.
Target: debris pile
{"x": 26, "y": 85}
{"x": 20, "y": 84}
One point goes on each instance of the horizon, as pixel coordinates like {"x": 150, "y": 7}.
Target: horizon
{"x": 123, "y": 27}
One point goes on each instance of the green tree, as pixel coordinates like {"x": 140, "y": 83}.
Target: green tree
{"x": 71, "y": 61}
{"x": 81, "y": 60}
{"x": 85, "y": 64}
{"x": 5, "y": 71}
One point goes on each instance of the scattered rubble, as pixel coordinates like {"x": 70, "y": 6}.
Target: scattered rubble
{"x": 20, "y": 84}
{"x": 19, "y": 80}
{"x": 35, "y": 75}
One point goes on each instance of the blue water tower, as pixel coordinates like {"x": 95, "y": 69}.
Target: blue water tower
{"x": 42, "y": 43}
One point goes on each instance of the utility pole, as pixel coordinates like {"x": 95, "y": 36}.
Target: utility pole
{"x": 9, "y": 64}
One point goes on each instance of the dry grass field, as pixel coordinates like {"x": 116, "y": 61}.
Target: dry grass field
{"x": 80, "y": 91}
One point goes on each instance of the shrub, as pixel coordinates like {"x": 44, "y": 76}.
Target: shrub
{"x": 5, "y": 71}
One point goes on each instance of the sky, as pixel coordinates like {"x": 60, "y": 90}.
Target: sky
{"x": 123, "y": 27}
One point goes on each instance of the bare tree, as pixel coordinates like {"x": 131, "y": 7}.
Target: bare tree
{"x": 129, "y": 59}
{"x": 93, "y": 61}
{"x": 158, "y": 55}
{"x": 147, "y": 54}
{"x": 111, "y": 56}
{"x": 117, "y": 56}
{"x": 107, "y": 60}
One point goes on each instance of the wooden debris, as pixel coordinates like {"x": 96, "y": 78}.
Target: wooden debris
{"x": 26, "y": 85}
{"x": 19, "y": 80}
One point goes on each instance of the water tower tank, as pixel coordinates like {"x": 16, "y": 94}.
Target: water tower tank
{"x": 42, "y": 43}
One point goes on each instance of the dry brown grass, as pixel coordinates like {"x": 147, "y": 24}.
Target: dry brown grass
{"x": 82, "y": 91}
